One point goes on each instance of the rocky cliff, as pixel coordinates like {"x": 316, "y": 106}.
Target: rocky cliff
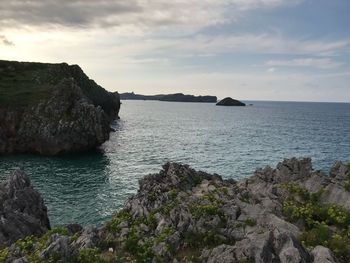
{"x": 52, "y": 109}
{"x": 287, "y": 214}
{"x": 22, "y": 210}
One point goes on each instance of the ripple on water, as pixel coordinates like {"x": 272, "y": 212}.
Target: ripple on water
{"x": 230, "y": 141}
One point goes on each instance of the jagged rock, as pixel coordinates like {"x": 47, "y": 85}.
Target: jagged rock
{"x": 182, "y": 215}
{"x": 222, "y": 254}
{"x": 183, "y": 192}
{"x": 74, "y": 228}
{"x": 22, "y": 210}
{"x": 89, "y": 238}
{"x": 323, "y": 255}
{"x": 21, "y": 260}
{"x": 59, "y": 247}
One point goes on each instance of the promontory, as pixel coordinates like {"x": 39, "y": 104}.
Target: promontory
{"x": 52, "y": 109}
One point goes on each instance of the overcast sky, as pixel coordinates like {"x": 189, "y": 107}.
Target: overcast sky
{"x": 247, "y": 49}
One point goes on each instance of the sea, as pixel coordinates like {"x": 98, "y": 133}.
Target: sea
{"x": 233, "y": 142}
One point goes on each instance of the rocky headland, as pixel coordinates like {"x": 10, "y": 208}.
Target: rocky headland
{"x": 52, "y": 109}
{"x": 230, "y": 102}
{"x": 290, "y": 213}
{"x": 177, "y": 97}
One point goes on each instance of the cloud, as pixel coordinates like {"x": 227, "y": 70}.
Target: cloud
{"x": 271, "y": 70}
{"x": 321, "y": 63}
{"x": 128, "y": 13}
{"x": 249, "y": 44}
{"x": 5, "y": 41}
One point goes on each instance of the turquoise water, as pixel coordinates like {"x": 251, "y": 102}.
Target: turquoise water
{"x": 230, "y": 141}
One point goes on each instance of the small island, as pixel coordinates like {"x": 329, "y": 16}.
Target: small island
{"x": 230, "y": 102}
{"x": 177, "y": 97}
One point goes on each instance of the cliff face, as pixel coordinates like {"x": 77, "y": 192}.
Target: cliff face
{"x": 52, "y": 109}
{"x": 287, "y": 214}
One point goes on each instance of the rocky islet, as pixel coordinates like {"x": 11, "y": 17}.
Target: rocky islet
{"x": 230, "y": 102}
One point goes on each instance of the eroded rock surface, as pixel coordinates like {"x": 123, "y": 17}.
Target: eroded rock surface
{"x": 283, "y": 214}
{"x": 22, "y": 210}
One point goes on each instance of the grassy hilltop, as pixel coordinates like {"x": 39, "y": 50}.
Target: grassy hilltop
{"x": 24, "y": 84}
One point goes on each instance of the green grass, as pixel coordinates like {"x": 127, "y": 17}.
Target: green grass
{"x": 31, "y": 246}
{"x": 25, "y": 84}
{"x": 24, "y": 87}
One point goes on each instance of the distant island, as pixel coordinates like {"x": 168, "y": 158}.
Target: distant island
{"x": 230, "y": 102}
{"x": 178, "y": 97}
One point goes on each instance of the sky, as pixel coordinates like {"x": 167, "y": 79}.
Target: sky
{"x": 289, "y": 50}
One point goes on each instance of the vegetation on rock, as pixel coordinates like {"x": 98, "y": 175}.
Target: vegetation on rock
{"x": 52, "y": 109}
{"x": 323, "y": 224}
{"x": 181, "y": 215}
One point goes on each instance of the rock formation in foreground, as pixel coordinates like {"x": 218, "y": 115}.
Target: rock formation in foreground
{"x": 230, "y": 102}
{"x": 287, "y": 214}
{"x": 22, "y": 210}
{"x": 177, "y": 97}
{"x": 52, "y": 109}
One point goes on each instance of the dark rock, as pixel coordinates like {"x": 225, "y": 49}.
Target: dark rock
{"x": 89, "y": 238}
{"x": 59, "y": 247}
{"x": 230, "y": 102}
{"x": 22, "y": 210}
{"x": 74, "y": 228}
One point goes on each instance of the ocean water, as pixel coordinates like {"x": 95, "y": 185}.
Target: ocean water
{"x": 229, "y": 141}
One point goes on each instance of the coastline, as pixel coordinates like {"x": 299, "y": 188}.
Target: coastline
{"x": 252, "y": 219}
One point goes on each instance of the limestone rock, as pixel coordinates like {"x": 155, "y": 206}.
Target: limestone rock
{"x": 323, "y": 255}
{"x": 183, "y": 215}
{"x": 22, "y": 210}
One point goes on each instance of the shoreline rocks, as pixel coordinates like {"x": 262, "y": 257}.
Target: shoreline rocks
{"x": 22, "y": 209}
{"x": 282, "y": 214}
{"x": 56, "y": 109}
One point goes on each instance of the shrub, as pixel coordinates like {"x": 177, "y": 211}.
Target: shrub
{"x": 89, "y": 255}
{"x": 199, "y": 211}
{"x": 3, "y": 254}
{"x": 113, "y": 224}
{"x": 250, "y": 222}
{"x": 324, "y": 224}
